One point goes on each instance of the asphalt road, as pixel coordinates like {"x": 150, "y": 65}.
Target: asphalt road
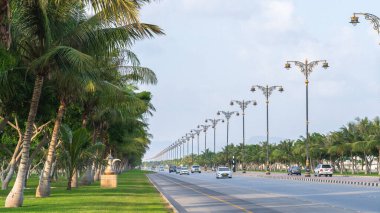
{"x": 204, "y": 193}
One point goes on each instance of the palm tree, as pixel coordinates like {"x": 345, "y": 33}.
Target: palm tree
{"x": 43, "y": 50}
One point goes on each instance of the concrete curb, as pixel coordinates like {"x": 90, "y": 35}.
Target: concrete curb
{"x": 163, "y": 196}
{"x": 332, "y": 181}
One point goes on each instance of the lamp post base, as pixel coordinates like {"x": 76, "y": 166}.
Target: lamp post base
{"x": 307, "y": 174}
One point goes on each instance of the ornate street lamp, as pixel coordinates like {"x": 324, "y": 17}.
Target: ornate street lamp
{"x": 243, "y": 105}
{"x": 214, "y": 122}
{"x": 306, "y": 68}
{"x": 197, "y": 131}
{"x": 267, "y": 91}
{"x": 368, "y": 16}
{"x": 191, "y": 135}
{"x": 204, "y": 129}
{"x": 228, "y": 115}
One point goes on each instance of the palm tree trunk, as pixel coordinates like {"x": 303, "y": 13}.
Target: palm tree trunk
{"x": 74, "y": 179}
{"x": 5, "y": 27}
{"x": 15, "y": 197}
{"x": 12, "y": 167}
{"x": 378, "y": 163}
{"x": 352, "y": 164}
{"x": 43, "y": 189}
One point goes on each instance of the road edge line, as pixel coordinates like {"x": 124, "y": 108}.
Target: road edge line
{"x": 163, "y": 196}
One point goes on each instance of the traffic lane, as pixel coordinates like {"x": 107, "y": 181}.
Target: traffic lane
{"x": 250, "y": 200}
{"x": 336, "y": 176}
{"x": 342, "y": 196}
{"x": 187, "y": 197}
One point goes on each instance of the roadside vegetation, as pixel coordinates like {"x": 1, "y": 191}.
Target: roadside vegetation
{"x": 134, "y": 194}
{"x": 357, "y": 142}
{"x": 69, "y": 93}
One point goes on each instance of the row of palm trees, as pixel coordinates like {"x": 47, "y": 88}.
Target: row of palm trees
{"x": 69, "y": 92}
{"x": 357, "y": 142}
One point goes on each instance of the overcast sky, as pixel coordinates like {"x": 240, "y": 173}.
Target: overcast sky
{"x": 215, "y": 50}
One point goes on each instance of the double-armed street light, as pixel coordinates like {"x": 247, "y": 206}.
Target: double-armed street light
{"x": 204, "y": 129}
{"x": 228, "y": 115}
{"x": 267, "y": 91}
{"x": 183, "y": 141}
{"x": 306, "y": 68}
{"x": 197, "y": 131}
{"x": 214, "y": 122}
{"x": 243, "y": 105}
{"x": 191, "y": 135}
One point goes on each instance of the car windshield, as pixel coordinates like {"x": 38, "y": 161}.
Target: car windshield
{"x": 184, "y": 167}
{"x": 195, "y": 167}
{"x": 326, "y": 166}
{"x": 295, "y": 167}
{"x": 224, "y": 169}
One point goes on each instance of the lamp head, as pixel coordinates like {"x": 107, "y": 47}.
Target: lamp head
{"x": 287, "y": 66}
{"x": 218, "y": 113}
{"x": 325, "y": 65}
{"x": 281, "y": 89}
{"x": 354, "y": 20}
{"x": 206, "y": 121}
{"x": 254, "y": 103}
{"x": 237, "y": 114}
{"x": 231, "y": 103}
{"x": 198, "y": 126}
{"x": 253, "y": 89}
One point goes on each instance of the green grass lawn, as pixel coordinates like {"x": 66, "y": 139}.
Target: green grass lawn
{"x": 134, "y": 194}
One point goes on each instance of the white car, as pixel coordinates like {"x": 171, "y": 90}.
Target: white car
{"x": 323, "y": 169}
{"x": 223, "y": 172}
{"x": 184, "y": 171}
{"x": 195, "y": 168}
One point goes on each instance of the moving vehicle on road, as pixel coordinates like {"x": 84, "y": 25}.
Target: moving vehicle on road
{"x": 294, "y": 170}
{"x": 195, "y": 168}
{"x": 323, "y": 169}
{"x": 184, "y": 171}
{"x": 178, "y": 170}
{"x": 172, "y": 168}
{"x": 161, "y": 169}
{"x": 223, "y": 172}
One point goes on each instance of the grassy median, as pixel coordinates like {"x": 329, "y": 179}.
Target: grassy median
{"x": 134, "y": 194}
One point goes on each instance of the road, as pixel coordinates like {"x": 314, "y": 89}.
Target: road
{"x": 204, "y": 193}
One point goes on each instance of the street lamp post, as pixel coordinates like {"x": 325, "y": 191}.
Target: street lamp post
{"x": 243, "y": 105}
{"x": 204, "y": 128}
{"x": 183, "y": 141}
{"x": 368, "y": 16}
{"x": 197, "y": 131}
{"x": 191, "y": 135}
{"x": 227, "y": 115}
{"x": 267, "y": 91}
{"x": 306, "y": 68}
{"x": 214, "y": 122}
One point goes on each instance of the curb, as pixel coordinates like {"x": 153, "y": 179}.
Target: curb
{"x": 163, "y": 196}
{"x": 347, "y": 182}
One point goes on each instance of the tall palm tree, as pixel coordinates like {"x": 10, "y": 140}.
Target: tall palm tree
{"x": 40, "y": 25}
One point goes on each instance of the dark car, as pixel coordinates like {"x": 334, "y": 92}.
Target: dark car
{"x": 172, "y": 169}
{"x": 294, "y": 170}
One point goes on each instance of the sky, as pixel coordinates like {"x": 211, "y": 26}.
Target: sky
{"x": 215, "y": 50}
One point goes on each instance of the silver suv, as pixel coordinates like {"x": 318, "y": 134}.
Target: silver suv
{"x": 195, "y": 168}
{"x": 323, "y": 169}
